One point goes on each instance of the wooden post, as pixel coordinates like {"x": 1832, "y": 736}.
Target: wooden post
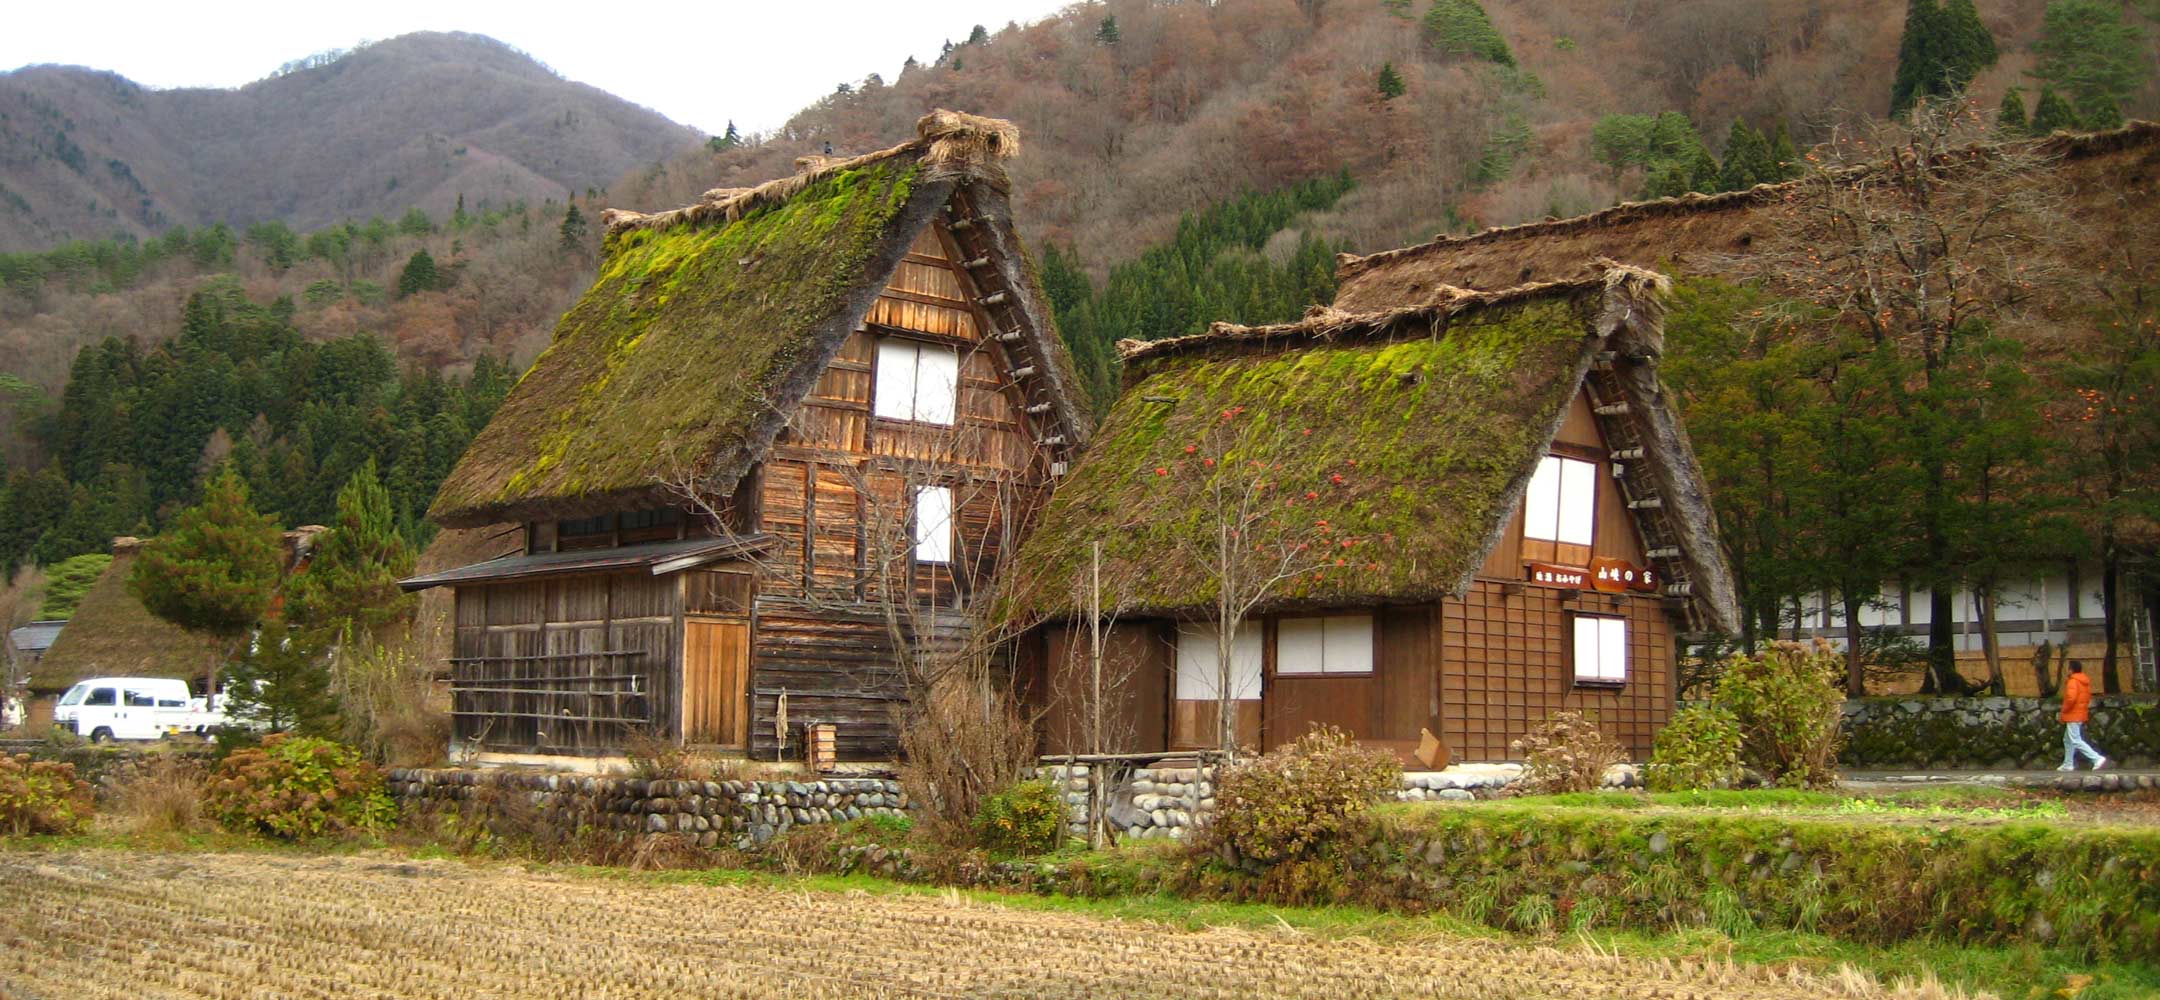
{"x": 1097, "y": 823}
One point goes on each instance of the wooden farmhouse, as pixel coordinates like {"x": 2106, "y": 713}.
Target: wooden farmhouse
{"x": 1450, "y": 513}
{"x": 788, "y": 433}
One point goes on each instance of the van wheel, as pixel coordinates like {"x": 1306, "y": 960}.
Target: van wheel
{"x": 100, "y": 734}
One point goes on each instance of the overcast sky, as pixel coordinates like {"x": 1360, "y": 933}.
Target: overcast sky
{"x": 701, "y": 64}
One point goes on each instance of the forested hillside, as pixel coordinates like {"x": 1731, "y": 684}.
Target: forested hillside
{"x": 1448, "y": 115}
{"x": 418, "y": 120}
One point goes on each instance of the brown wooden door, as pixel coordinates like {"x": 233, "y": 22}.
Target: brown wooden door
{"x": 716, "y": 667}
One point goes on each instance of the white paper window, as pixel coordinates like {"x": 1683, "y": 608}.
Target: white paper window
{"x": 933, "y": 524}
{"x": 1339, "y": 644}
{"x": 1198, "y": 676}
{"x": 1561, "y": 505}
{"x": 916, "y": 381}
{"x": 1600, "y": 650}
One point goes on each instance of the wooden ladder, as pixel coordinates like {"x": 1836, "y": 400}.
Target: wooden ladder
{"x": 1008, "y": 324}
{"x": 1638, "y": 489}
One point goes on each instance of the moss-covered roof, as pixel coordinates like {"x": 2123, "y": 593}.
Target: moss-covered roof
{"x": 113, "y": 635}
{"x": 704, "y": 328}
{"x": 1393, "y": 443}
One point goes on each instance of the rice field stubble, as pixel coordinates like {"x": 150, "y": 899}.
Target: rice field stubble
{"x": 117, "y": 924}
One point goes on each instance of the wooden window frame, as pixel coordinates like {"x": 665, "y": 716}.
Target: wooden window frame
{"x": 1372, "y": 647}
{"x": 1559, "y": 501}
{"x": 916, "y": 345}
{"x": 915, "y": 527}
{"x": 1627, "y": 655}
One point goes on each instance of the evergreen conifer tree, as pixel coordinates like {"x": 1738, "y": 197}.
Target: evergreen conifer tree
{"x": 418, "y": 276}
{"x": 1106, "y": 33}
{"x": 1745, "y": 157}
{"x": 1784, "y": 156}
{"x": 2010, "y": 120}
{"x": 1943, "y": 47}
{"x": 282, "y": 686}
{"x": 2092, "y": 55}
{"x": 2053, "y": 113}
{"x": 573, "y": 229}
{"x": 1391, "y": 82}
{"x": 216, "y": 568}
{"x": 978, "y": 36}
{"x": 349, "y": 591}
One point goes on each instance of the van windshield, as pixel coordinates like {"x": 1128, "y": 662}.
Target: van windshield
{"x": 74, "y": 696}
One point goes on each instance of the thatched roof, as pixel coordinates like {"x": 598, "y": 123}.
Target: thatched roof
{"x": 113, "y": 635}
{"x": 2113, "y": 180}
{"x": 708, "y": 324}
{"x": 1408, "y": 432}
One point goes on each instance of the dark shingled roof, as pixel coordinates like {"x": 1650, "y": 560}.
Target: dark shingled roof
{"x": 1410, "y": 432}
{"x": 706, "y": 325}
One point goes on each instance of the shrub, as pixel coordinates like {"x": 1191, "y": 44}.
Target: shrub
{"x": 1026, "y": 817}
{"x": 1699, "y": 748}
{"x": 1286, "y": 804}
{"x": 1786, "y": 700}
{"x": 1567, "y": 753}
{"x": 41, "y": 796}
{"x": 164, "y": 797}
{"x": 657, "y": 757}
{"x": 297, "y": 786}
{"x": 960, "y": 742}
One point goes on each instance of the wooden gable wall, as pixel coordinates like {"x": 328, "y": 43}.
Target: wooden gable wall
{"x": 836, "y": 490}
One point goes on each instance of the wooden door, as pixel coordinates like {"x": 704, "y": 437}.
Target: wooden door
{"x": 716, "y": 668}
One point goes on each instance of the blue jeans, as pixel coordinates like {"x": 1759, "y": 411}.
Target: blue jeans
{"x": 2074, "y": 744}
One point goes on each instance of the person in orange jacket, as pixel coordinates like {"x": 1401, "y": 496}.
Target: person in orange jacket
{"x": 2076, "y": 709}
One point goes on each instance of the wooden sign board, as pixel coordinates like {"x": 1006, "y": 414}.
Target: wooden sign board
{"x": 1549, "y": 575}
{"x": 1620, "y": 576}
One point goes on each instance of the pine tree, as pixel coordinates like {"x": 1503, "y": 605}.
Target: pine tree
{"x": 2010, "y": 121}
{"x": 1746, "y": 156}
{"x": 1461, "y": 27}
{"x": 2089, "y": 52}
{"x": 1391, "y": 82}
{"x": 1942, "y": 49}
{"x": 282, "y": 686}
{"x": 573, "y": 229}
{"x": 1106, "y": 33}
{"x": 2053, "y": 113}
{"x": 978, "y": 36}
{"x": 215, "y": 569}
{"x": 349, "y": 591}
{"x": 458, "y": 219}
{"x": 416, "y": 222}
{"x": 1784, "y": 156}
{"x": 418, "y": 276}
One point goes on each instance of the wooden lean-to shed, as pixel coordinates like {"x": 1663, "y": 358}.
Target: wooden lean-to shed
{"x": 1486, "y": 509}
{"x": 789, "y": 431}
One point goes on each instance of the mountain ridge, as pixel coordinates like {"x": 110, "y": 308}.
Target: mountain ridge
{"x": 416, "y": 120}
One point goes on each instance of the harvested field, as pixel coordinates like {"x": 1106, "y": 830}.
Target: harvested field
{"x": 112, "y": 924}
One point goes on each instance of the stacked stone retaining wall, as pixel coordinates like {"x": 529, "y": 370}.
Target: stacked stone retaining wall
{"x": 1999, "y": 733}
{"x": 741, "y": 813}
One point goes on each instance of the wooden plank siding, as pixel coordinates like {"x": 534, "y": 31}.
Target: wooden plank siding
{"x": 1478, "y": 671}
{"x": 534, "y": 659}
{"x": 837, "y": 491}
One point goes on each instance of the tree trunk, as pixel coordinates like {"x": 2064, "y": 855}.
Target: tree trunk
{"x": 2043, "y": 673}
{"x": 1942, "y": 644}
{"x": 2110, "y": 601}
{"x": 1855, "y": 661}
{"x": 1984, "y": 601}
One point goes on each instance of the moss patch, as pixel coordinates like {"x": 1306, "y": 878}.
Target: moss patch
{"x": 670, "y": 359}
{"x": 1395, "y": 458}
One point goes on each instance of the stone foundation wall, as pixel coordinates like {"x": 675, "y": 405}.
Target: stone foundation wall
{"x": 741, "y": 813}
{"x": 2002, "y": 733}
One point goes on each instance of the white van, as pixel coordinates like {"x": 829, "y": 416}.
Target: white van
{"x": 132, "y": 708}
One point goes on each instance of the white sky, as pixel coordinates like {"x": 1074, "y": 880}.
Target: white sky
{"x": 698, "y": 63}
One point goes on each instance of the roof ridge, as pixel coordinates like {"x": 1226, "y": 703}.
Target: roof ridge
{"x": 946, "y": 140}
{"x": 2067, "y": 144}
{"x": 1328, "y": 322}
